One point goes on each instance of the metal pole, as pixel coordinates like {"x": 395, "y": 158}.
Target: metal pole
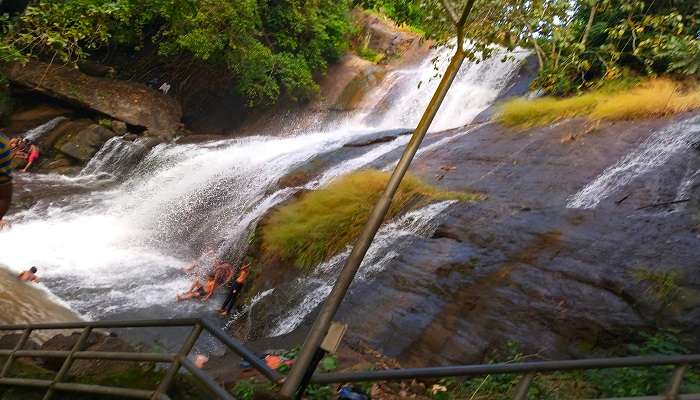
{"x": 68, "y": 362}
{"x": 18, "y": 346}
{"x": 177, "y": 362}
{"x": 330, "y": 306}
{"x": 674, "y": 386}
{"x": 523, "y": 386}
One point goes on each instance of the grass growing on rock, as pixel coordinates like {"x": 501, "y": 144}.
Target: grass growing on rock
{"x": 321, "y": 223}
{"x": 650, "y": 99}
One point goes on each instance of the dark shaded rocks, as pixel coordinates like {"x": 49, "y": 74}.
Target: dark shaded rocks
{"x": 130, "y": 102}
{"x": 83, "y": 144}
{"x": 522, "y": 267}
{"x": 379, "y": 137}
{"x": 8, "y": 342}
{"x": 96, "y": 342}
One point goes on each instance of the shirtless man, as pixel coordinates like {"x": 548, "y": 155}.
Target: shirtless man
{"x": 28, "y": 276}
{"x": 199, "y": 290}
{"x": 223, "y": 272}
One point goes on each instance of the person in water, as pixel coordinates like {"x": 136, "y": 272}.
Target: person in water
{"x": 33, "y": 155}
{"x": 5, "y": 177}
{"x": 199, "y": 290}
{"x": 28, "y": 276}
{"x": 209, "y": 258}
{"x": 235, "y": 289}
{"x": 223, "y": 272}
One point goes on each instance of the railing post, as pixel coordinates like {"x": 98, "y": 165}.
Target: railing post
{"x": 177, "y": 362}
{"x": 674, "y": 386}
{"x": 523, "y": 386}
{"x": 11, "y": 358}
{"x": 68, "y": 362}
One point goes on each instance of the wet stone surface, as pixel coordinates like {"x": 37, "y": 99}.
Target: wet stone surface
{"x": 521, "y": 266}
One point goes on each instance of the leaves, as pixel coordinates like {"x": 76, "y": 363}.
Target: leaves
{"x": 273, "y": 48}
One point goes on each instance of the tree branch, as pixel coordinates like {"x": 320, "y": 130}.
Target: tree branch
{"x": 450, "y": 11}
{"x": 465, "y": 13}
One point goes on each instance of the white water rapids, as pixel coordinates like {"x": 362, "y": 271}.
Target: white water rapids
{"x": 117, "y": 248}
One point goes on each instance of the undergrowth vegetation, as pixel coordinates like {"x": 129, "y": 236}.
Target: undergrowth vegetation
{"x": 601, "y": 383}
{"x": 649, "y": 99}
{"x": 322, "y": 222}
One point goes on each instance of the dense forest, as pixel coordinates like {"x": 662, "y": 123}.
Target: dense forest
{"x": 276, "y": 49}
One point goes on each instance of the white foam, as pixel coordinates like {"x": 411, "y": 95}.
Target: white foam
{"x": 654, "y": 152}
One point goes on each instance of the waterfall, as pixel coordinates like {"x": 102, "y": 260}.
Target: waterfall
{"x": 654, "y": 152}
{"x": 36, "y": 133}
{"x": 117, "y": 250}
{"x": 116, "y": 158}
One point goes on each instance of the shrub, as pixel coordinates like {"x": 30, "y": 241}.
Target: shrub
{"x": 651, "y": 98}
{"x": 322, "y": 222}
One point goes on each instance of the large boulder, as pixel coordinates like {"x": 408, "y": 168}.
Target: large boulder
{"x": 84, "y": 144}
{"x": 131, "y": 102}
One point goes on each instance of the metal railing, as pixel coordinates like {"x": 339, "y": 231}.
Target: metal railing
{"x": 528, "y": 370}
{"x": 180, "y": 360}
{"x": 176, "y": 360}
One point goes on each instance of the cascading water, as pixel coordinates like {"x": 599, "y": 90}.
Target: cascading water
{"x": 650, "y": 155}
{"x": 117, "y": 251}
{"x": 39, "y": 131}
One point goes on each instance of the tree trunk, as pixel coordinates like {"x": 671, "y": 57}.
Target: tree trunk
{"x": 591, "y": 17}
{"x": 538, "y": 51}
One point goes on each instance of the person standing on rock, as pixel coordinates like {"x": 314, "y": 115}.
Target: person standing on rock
{"x": 5, "y": 177}
{"x": 235, "y": 289}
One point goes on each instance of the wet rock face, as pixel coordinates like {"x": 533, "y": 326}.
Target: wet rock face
{"x": 521, "y": 266}
{"x": 132, "y": 103}
{"x": 85, "y": 143}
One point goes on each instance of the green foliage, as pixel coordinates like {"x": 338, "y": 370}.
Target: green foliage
{"x": 329, "y": 363}
{"x": 369, "y": 54}
{"x": 273, "y": 48}
{"x": 322, "y": 222}
{"x": 623, "y": 37}
{"x": 245, "y": 389}
{"x": 602, "y": 383}
{"x": 409, "y": 12}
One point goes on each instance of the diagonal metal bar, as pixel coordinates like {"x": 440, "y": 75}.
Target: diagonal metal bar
{"x": 323, "y": 320}
{"x": 242, "y": 351}
{"x": 207, "y": 380}
{"x": 523, "y": 386}
{"x": 68, "y": 362}
{"x": 169, "y": 377}
{"x": 18, "y": 346}
{"x": 674, "y": 386}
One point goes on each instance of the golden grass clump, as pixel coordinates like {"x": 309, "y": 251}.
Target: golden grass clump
{"x": 651, "y": 98}
{"x": 321, "y": 223}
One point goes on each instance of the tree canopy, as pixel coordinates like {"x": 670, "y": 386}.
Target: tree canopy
{"x": 277, "y": 48}
{"x": 271, "y": 47}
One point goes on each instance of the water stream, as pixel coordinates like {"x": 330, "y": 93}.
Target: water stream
{"x": 115, "y": 249}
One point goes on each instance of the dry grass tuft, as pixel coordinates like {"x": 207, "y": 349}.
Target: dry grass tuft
{"x": 321, "y": 223}
{"x": 651, "y": 99}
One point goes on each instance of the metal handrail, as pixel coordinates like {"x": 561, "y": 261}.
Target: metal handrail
{"x": 180, "y": 359}
{"x": 528, "y": 370}
{"x": 176, "y": 361}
